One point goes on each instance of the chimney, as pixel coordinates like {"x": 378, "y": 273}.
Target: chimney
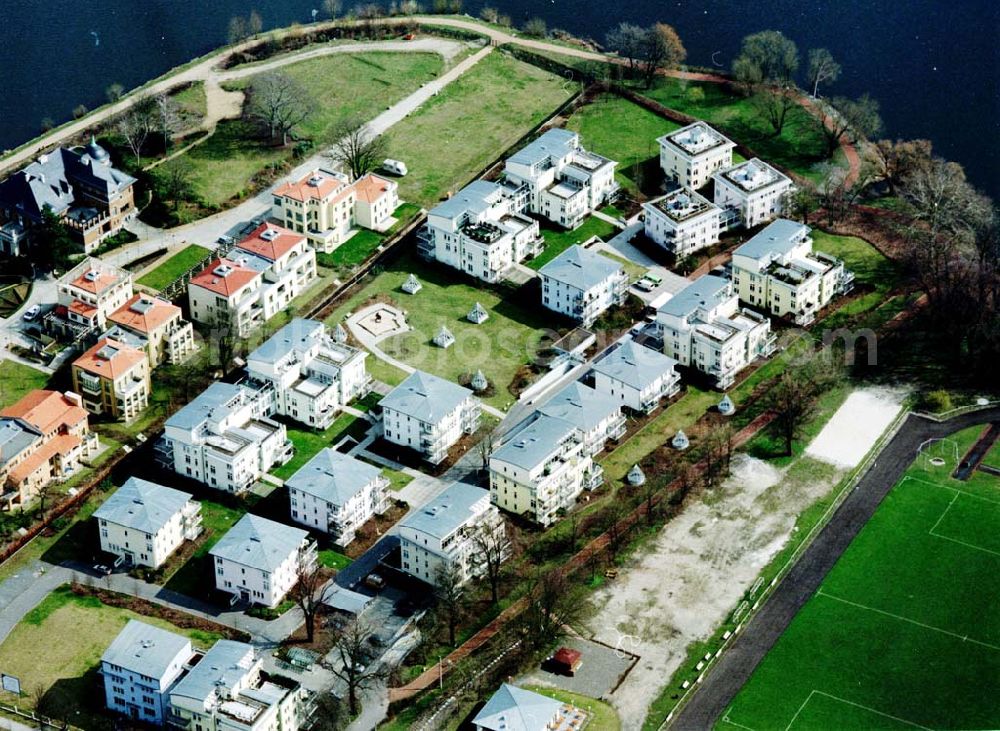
{"x": 74, "y": 398}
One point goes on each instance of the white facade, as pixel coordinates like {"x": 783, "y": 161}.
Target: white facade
{"x": 224, "y": 438}
{"x": 703, "y": 327}
{"x": 583, "y": 284}
{"x": 637, "y": 376}
{"x": 443, "y": 532}
{"x": 598, "y": 416}
{"x": 310, "y": 375}
{"x": 564, "y": 181}
{"x": 692, "y": 154}
{"x": 754, "y": 189}
{"x": 377, "y": 200}
{"x": 682, "y": 222}
{"x": 92, "y": 290}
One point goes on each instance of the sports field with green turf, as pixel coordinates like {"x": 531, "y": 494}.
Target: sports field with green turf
{"x": 905, "y": 630}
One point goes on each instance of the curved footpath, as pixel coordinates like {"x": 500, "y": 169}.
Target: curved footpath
{"x": 720, "y": 686}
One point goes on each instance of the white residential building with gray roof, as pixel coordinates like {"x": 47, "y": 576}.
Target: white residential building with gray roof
{"x": 515, "y": 709}
{"x": 682, "y": 222}
{"x": 258, "y": 560}
{"x": 703, "y": 328}
{"x": 144, "y": 523}
{"x": 597, "y": 415}
{"x": 583, "y": 284}
{"x": 429, "y": 415}
{"x": 754, "y": 189}
{"x": 443, "y": 533}
{"x": 139, "y": 667}
{"x": 689, "y": 156}
{"x": 224, "y": 438}
{"x": 637, "y": 376}
{"x": 336, "y": 494}
{"x": 310, "y": 375}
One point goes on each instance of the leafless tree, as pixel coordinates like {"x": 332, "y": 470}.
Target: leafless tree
{"x": 278, "y": 103}
{"x": 535, "y": 27}
{"x": 823, "y": 69}
{"x": 254, "y": 24}
{"x": 450, "y": 595}
{"x": 489, "y": 14}
{"x": 792, "y": 399}
{"x": 552, "y": 603}
{"x": 357, "y": 148}
{"x": 773, "y": 104}
{"x": 311, "y": 590}
{"x": 800, "y": 202}
{"x": 894, "y": 161}
{"x": 626, "y": 39}
{"x": 238, "y": 30}
{"x": 492, "y": 547}
{"x": 135, "y": 125}
{"x": 332, "y": 8}
{"x": 353, "y": 668}
{"x": 167, "y": 118}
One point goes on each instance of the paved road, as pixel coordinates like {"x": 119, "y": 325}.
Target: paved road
{"x": 720, "y": 686}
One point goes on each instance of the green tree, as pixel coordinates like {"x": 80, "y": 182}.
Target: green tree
{"x": 767, "y": 57}
{"x": 53, "y": 244}
{"x": 823, "y": 69}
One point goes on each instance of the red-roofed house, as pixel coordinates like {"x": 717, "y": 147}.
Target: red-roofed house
{"x": 377, "y": 200}
{"x": 157, "y": 323}
{"x": 113, "y": 379}
{"x": 88, "y": 294}
{"x": 226, "y": 292}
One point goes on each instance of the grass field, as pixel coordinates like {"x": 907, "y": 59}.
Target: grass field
{"x": 904, "y": 631}
{"x": 173, "y": 267}
{"x": 361, "y": 245}
{"x": 194, "y": 577}
{"x": 308, "y": 443}
{"x": 472, "y": 121}
{"x": 17, "y": 379}
{"x": 557, "y": 240}
{"x": 603, "y": 716}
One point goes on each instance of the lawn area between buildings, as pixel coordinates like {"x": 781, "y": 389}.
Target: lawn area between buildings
{"x": 178, "y": 264}
{"x": 557, "y": 240}
{"x": 453, "y": 136}
{"x": 194, "y": 578}
{"x": 309, "y": 442}
{"x": 634, "y": 271}
{"x": 362, "y": 244}
{"x": 890, "y": 639}
{"x": 17, "y": 380}
{"x": 57, "y": 649}
{"x": 602, "y": 715}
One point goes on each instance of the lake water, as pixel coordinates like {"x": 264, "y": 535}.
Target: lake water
{"x": 933, "y": 64}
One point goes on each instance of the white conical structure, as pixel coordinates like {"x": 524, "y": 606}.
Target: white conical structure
{"x": 339, "y": 334}
{"x": 635, "y": 476}
{"x": 726, "y": 406}
{"x": 680, "y": 440}
{"x": 479, "y": 382}
{"x": 444, "y": 338}
{"x": 412, "y": 285}
{"x": 478, "y": 315}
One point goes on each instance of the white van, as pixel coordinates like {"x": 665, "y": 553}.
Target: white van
{"x": 395, "y": 166}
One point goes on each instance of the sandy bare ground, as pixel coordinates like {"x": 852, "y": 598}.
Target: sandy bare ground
{"x": 689, "y": 580}
{"x": 848, "y": 436}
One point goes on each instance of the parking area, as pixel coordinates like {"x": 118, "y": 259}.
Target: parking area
{"x": 601, "y": 669}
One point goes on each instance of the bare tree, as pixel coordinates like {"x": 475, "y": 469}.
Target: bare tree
{"x": 863, "y": 118}
{"x": 661, "y": 49}
{"x": 773, "y": 104}
{"x": 552, "y": 602}
{"x": 941, "y": 198}
{"x": 800, "y": 202}
{"x": 489, "y": 14}
{"x": 792, "y": 399}
{"x": 718, "y": 453}
{"x": 626, "y": 39}
{"x": 238, "y": 30}
{"x": 45, "y": 491}
{"x": 823, "y": 69}
{"x": 311, "y": 590}
{"x": 896, "y": 160}
{"x": 278, "y": 103}
{"x": 332, "y": 8}
{"x": 135, "y": 125}
{"x": 536, "y": 27}
{"x": 79, "y": 111}
{"x": 353, "y": 669}
{"x": 492, "y": 547}
{"x": 831, "y": 123}
{"x": 450, "y": 596}
{"x": 175, "y": 182}
{"x": 114, "y": 92}
{"x": 166, "y": 112}
{"x": 357, "y": 148}
{"x": 767, "y": 57}
{"x": 485, "y": 448}
{"x": 254, "y": 24}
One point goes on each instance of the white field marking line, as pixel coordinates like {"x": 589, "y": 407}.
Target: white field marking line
{"x": 856, "y": 705}
{"x": 725, "y": 719}
{"x": 804, "y": 704}
{"x": 963, "y": 543}
{"x": 933, "y": 530}
{"x": 943, "y": 513}
{"x": 963, "y": 638}
{"x": 951, "y": 489}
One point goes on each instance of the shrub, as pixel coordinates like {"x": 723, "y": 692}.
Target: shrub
{"x": 935, "y": 401}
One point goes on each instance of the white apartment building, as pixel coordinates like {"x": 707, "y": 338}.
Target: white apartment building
{"x": 481, "y": 230}
{"x": 377, "y": 200}
{"x": 336, "y": 494}
{"x": 139, "y": 667}
{"x": 753, "y": 189}
{"x": 228, "y": 690}
{"x": 309, "y": 375}
{"x": 565, "y": 182}
{"x": 583, "y": 284}
{"x": 541, "y": 469}
{"x": 88, "y": 294}
{"x": 429, "y": 414}
{"x": 144, "y": 523}
{"x": 682, "y": 222}
{"x": 703, "y": 328}
{"x": 224, "y": 438}
{"x": 597, "y": 415}
{"x": 443, "y": 533}
{"x": 637, "y": 376}
{"x": 692, "y": 154}
{"x": 258, "y": 560}
{"x": 778, "y": 272}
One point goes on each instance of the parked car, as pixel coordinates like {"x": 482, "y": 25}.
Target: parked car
{"x": 375, "y": 581}
{"x": 102, "y": 570}
{"x": 395, "y": 166}
{"x": 31, "y": 313}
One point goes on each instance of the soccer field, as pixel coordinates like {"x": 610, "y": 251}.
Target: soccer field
{"x": 905, "y": 630}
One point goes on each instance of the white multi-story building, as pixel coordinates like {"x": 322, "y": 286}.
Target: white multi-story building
{"x": 778, "y": 272}
{"x": 443, "y": 533}
{"x": 692, "y": 154}
{"x": 565, "y": 182}
{"x": 583, "y": 284}
{"x": 224, "y": 438}
{"x": 309, "y": 374}
{"x": 515, "y": 709}
{"x": 597, "y": 415}
{"x": 637, "y": 376}
{"x": 703, "y": 327}
{"x": 753, "y": 189}
{"x": 336, "y": 494}
{"x": 481, "y": 230}
{"x": 429, "y": 414}
{"x": 144, "y": 523}
{"x": 139, "y": 667}
{"x": 259, "y": 560}
{"x": 541, "y": 469}
{"x": 682, "y": 222}
{"x": 228, "y": 690}
{"x": 377, "y": 200}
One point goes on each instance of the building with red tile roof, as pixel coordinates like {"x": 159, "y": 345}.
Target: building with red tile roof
{"x": 157, "y": 323}
{"x": 88, "y": 293}
{"x": 113, "y": 379}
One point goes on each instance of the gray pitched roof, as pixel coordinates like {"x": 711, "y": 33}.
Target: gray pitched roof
{"x": 299, "y": 334}
{"x": 15, "y": 436}
{"x": 142, "y": 505}
{"x": 333, "y": 476}
{"x": 209, "y": 404}
{"x": 778, "y": 237}
{"x": 223, "y": 665}
{"x": 474, "y": 199}
{"x": 425, "y": 397}
{"x": 444, "y": 514}
{"x": 515, "y": 709}
{"x": 634, "y": 365}
{"x": 555, "y": 143}
{"x": 259, "y": 542}
{"x": 144, "y": 649}
{"x": 532, "y": 443}
{"x": 581, "y": 405}
{"x": 708, "y": 290}
{"x": 580, "y": 268}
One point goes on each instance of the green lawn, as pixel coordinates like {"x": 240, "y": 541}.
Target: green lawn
{"x": 17, "y": 380}
{"x": 191, "y": 103}
{"x": 904, "y": 631}
{"x": 634, "y": 271}
{"x": 603, "y": 716}
{"x": 473, "y": 120}
{"x": 308, "y": 442}
{"x": 174, "y": 267}
{"x": 57, "y": 647}
{"x": 194, "y": 578}
{"x": 361, "y": 245}
{"x": 875, "y": 275}
{"x": 557, "y": 240}
{"x": 623, "y": 131}
{"x": 333, "y": 559}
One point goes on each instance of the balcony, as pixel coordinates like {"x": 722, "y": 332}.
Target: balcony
{"x": 846, "y": 283}
{"x": 594, "y": 477}
{"x": 191, "y": 519}
{"x": 616, "y": 429}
